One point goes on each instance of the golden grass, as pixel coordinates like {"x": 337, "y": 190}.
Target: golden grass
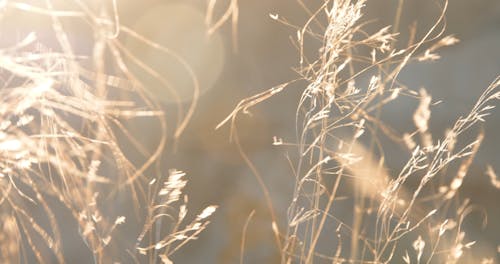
{"x": 339, "y": 130}
{"x": 65, "y": 143}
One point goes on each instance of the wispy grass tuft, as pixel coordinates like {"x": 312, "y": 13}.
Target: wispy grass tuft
{"x": 65, "y": 143}
{"x": 410, "y": 216}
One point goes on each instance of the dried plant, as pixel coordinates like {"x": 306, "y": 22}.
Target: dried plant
{"x": 232, "y": 12}
{"x": 68, "y": 154}
{"x": 65, "y": 142}
{"x": 412, "y": 216}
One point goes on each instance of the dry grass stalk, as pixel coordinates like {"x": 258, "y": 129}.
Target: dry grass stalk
{"x": 336, "y": 114}
{"x": 63, "y": 143}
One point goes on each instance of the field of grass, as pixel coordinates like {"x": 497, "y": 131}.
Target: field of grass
{"x": 147, "y": 132}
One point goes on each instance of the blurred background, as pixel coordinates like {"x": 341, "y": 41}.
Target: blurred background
{"x": 265, "y": 57}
